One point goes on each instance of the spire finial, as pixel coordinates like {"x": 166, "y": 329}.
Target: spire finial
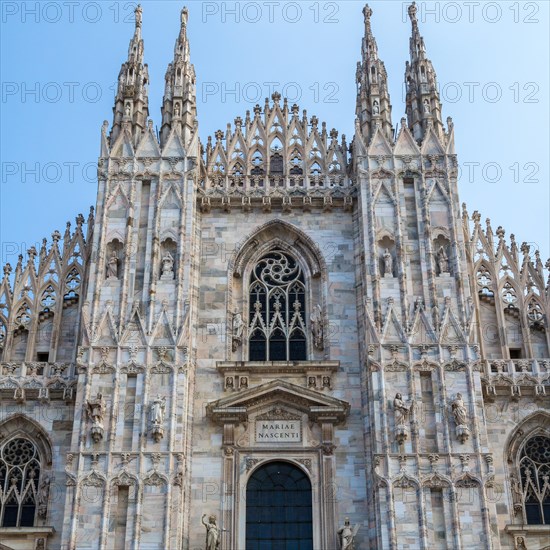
{"x": 367, "y": 12}
{"x": 138, "y": 14}
{"x": 184, "y": 16}
{"x": 412, "y": 14}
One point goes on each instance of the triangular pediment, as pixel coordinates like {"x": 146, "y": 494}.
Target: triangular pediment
{"x": 405, "y": 144}
{"x": 318, "y": 406}
{"x": 431, "y": 144}
{"x": 123, "y": 145}
{"x": 379, "y": 145}
{"x": 174, "y": 146}
{"x": 148, "y": 146}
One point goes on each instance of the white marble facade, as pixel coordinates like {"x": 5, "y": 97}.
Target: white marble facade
{"x": 276, "y": 295}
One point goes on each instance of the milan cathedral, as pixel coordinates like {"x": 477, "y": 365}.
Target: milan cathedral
{"x": 279, "y": 338}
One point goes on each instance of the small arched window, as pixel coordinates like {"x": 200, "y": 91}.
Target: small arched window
{"x": 19, "y": 483}
{"x": 277, "y": 309}
{"x": 534, "y": 470}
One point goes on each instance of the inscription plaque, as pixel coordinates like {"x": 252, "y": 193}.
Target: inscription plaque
{"x": 278, "y": 425}
{"x": 278, "y": 430}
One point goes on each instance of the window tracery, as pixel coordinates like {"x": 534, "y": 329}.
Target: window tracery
{"x": 19, "y": 482}
{"x": 277, "y": 309}
{"x": 484, "y": 282}
{"x": 534, "y": 473}
{"x": 72, "y": 284}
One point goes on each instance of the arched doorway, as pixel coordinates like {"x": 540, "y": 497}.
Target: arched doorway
{"x": 279, "y": 509}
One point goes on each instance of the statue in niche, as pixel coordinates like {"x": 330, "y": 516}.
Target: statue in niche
{"x": 167, "y": 266}
{"x": 312, "y": 382}
{"x": 42, "y": 496}
{"x": 520, "y": 544}
{"x": 459, "y": 410}
{"x": 375, "y": 108}
{"x": 156, "y": 417}
{"x": 427, "y": 107}
{"x": 388, "y": 264}
{"x": 127, "y": 110}
{"x": 401, "y": 410}
{"x": 442, "y": 260}
{"x": 177, "y": 110}
{"x": 96, "y": 410}
{"x": 316, "y": 320}
{"x": 237, "y": 329}
{"x": 229, "y": 384}
{"x": 112, "y": 266}
{"x": 212, "y": 533}
{"x": 158, "y": 407}
{"x": 346, "y": 535}
{"x": 517, "y": 495}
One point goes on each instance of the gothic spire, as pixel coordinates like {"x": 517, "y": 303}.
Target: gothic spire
{"x": 373, "y": 100}
{"x": 423, "y": 105}
{"x": 179, "y": 106}
{"x": 131, "y": 101}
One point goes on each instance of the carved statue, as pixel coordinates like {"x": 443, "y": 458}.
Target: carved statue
{"x": 138, "y": 15}
{"x": 112, "y": 266}
{"x": 238, "y": 328}
{"x": 177, "y": 110}
{"x": 442, "y": 260}
{"x": 127, "y": 110}
{"x": 156, "y": 417}
{"x": 459, "y": 410}
{"x": 400, "y": 410}
{"x": 316, "y": 320}
{"x": 238, "y": 325}
{"x": 167, "y": 266}
{"x": 388, "y": 263}
{"x": 520, "y": 544}
{"x": 42, "y": 496}
{"x": 96, "y": 410}
{"x": 517, "y": 495}
{"x": 346, "y": 535}
{"x": 427, "y": 107}
{"x": 375, "y": 108}
{"x": 158, "y": 408}
{"x": 212, "y": 533}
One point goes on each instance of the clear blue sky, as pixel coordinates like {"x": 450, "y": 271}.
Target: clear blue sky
{"x": 60, "y": 63}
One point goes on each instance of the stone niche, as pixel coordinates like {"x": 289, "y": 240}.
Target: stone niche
{"x": 278, "y": 420}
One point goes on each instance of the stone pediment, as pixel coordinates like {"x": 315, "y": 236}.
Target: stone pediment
{"x": 318, "y": 406}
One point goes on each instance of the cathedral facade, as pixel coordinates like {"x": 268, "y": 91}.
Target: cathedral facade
{"x": 277, "y": 339}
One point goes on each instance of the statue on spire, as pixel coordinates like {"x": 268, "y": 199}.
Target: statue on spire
{"x": 184, "y": 16}
{"x": 412, "y": 13}
{"x": 138, "y": 15}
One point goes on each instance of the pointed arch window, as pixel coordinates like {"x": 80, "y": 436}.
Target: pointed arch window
{"x": 534, "y": 472}
{"x": 19, "y": 483}
{"x": 277, "y": 309}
